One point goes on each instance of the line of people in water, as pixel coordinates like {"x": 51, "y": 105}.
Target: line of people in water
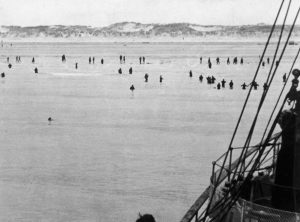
{"x": 212, "y": 80}
{"x": 218, "y": 61}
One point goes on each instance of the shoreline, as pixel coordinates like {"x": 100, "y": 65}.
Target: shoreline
{"x": 123, "y": 41}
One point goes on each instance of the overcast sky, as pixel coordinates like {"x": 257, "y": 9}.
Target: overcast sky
{"x": 99, "y": 13}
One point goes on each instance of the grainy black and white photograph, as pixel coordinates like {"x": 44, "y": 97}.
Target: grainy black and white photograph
{"x": 149, "y": 111}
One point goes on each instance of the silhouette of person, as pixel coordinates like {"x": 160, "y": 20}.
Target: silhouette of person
{"x": 33, "y": 60}
{"x": 223, "y": 83}
{"x": 63, "y": 58}
{"x": 218, "y": 86}
{"x": 140, "y": 58}
{"x": 160, "y": 78}
{"x": 218, "y": 60}
{"x": 213, "y": 79}
{"x": 242, "y": 61}
{"x": 76, "y": 65}
{"x": 228, "y": 61}
{"x": 145, "y": 218}
{"x": 200, "y": 60}
{"x": 191, "y": 74}
{"x": 268, "y": 60}
{"x": 121, "y": 57}
{"x": 255, "y": 85}
{"x": 244, "y": 85}
{"x": 209, "y": 65}
{"x": 284, "y": 77}
{"x": 235, "y": 60}
{"x": 201, "y": 78}
{"x": 132, "y": 88}
{"x": 263, "y": 64}
{"x": 208, "y": 80}
{"x": 50, "y": 120}
{"x": 2, "y": 75}
{"x": 146, "y": 77}
{"x": 102, "y": 61}
{"x": 231, "y": 84}
{"x": 9, "y": 65}
{"x": 90, "y": 60}
{"x": 93, "y": 60}
{"x": 130, "y": 70}
{"x": 36, "y": 70}
{"x": 120, "y": 71}
{"x": 265, "y": 86}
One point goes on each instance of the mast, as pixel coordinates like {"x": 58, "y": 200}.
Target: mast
{"x": 285, "y": 194}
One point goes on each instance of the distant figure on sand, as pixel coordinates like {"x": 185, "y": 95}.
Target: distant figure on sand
{"x": 244, "y": 86}
{"x": 265, "y": 86}
{"x": 132, "y": 88}
{"x": 102, "y": 61}
{"x": 9, "y": 65}
{"x": 235, "y": 60}
{"x": 49, "y": 120}
{"x": 130, "y": 70}
{"x": 120, "y": 71}
{"x": 63, "y": 58}
{"x": 208, "y": 80}
{"x": 90, "y": 60}
{"x": 284, "y": 77}
{"x": 231, "y": 84}
{"x": 93, "y": 60}
{"x": 121, "y": 57}
{"x": 160, "y": 78}
{"x": 76, "y": 65}
{"x": 200, "y": 60}
{"x": 223, "y": 83}
{"x": 209, "y": 65}
{"x": 145, "y": 218}
{"x": 242, "y": 61}
{"x": 140, "y": 59}
{"x": 191, "y": 74}
{"x": 268, "y": 60}
{"x": 213, "y": 79}
{"x": 218, "y": 60}
{"x": 254, "y": 84}
{"x": 2, "y": 75}
{"x": 200, "y": 78}
{"x": 228, "y": 61}
{"x": 218, "y": 86}
{"x": 33, "y": 60}
{"x": 36, "y": 71}
{"x": 146, "y": 77}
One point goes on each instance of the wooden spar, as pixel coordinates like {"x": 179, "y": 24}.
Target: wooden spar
{"x": 196, "y": 206}
{"x": 193, "y": 211}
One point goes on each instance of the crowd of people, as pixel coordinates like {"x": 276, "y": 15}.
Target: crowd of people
{"x": 210, "y": 79}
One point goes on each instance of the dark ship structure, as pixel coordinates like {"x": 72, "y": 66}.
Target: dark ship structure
{"x": 260, "y": 183}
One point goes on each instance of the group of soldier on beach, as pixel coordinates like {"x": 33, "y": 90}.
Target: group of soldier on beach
{"x": 142, "y": 60}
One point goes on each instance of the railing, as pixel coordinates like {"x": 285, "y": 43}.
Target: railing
{"x": 198, "y": 208}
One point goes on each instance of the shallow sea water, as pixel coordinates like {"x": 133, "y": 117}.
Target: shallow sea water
{"x": 110, "y": 153}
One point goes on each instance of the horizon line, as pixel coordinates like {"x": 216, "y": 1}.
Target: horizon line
{"x": 24, "y": 26}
